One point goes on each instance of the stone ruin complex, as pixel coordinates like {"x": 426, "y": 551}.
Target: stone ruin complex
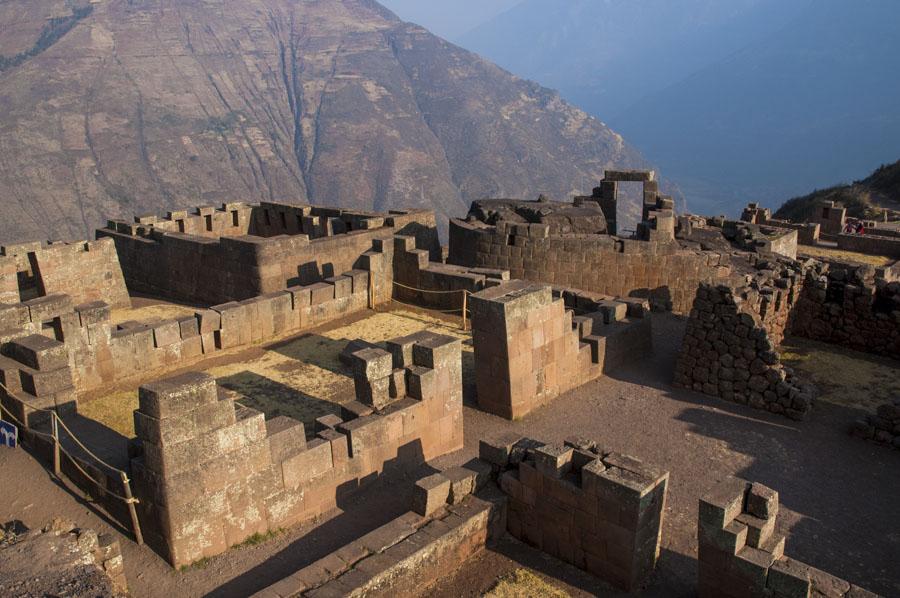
{"x": 555, "y": 299}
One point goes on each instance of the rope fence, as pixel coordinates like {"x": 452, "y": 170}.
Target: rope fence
{"x": 464, "y": 310}
{"x": 59, "y": 450}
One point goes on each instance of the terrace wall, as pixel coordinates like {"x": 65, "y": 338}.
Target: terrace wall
{"x": 870, "y": 244}
{"x": 664, "y": 272}
{"x": 212, "y": 474}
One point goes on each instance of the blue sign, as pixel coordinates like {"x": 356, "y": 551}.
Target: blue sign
{"x": 9, "y": 434}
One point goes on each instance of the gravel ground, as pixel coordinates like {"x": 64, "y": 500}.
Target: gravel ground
{"x": 838, "y": 493}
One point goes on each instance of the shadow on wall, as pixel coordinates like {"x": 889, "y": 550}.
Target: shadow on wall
{"x": 387, "y": 497}
{"x": 276, "y": 399}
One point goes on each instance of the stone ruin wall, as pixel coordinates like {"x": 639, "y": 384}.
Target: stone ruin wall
{"x": 741, "y": 554}
{"x": 98, "y": 352}
{"x": 664, "y": 272}
{"x": 210, "y": 270}
{"x": 730, "y": 347}
{"x": 850, "y": 307}
{"x": 883, "y": 426}
{"x": 871, "y": 243}
{"x": 212, "y": 473}
{"x": 600, "y": 511}
{"x": 531, "y": 348}
{"x": 86, "y": 271}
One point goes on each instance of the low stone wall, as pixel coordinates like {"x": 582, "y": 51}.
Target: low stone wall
{"x": 599, "y": 511}
{"x": 404, "y": 557}
{"x": 208, "y": 269}
{"x": 850, "y": 307}
{"x": 730, "y": 347}
{"x": 742, "y": 556}
{"x": 661, "y": 271}
{"x": 211, "y": 474}
{"x": 870, "y": 244}
{"x": 413, "y": 270}
{"x": 883, "y": 426}
{"x": 86, "y": 271}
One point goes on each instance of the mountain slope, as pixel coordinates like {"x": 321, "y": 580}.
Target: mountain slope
{"x": 813, "y": 103}
{"x": 139, "y": 106}
{"x": 868, "y": 198}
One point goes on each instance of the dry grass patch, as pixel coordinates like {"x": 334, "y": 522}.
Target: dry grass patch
{"x": 878, "y": 261}
{"x": 522, "y": 583}
{"x": 301, "y": 377}
{"x": 844, "y": 377}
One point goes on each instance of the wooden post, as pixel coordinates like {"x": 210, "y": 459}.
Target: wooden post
{"x": 135, "y": 524}
{"x": 55, "y": 427}
{"x": 465, "y": 310}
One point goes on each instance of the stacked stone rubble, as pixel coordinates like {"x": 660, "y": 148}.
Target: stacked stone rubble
{"x": 883, "y": 426}
{"x": 599, "y": 511}
{"x": 730, "y": 349}
{"x": 210, "y": 474}
{"x": 741, "y": 554}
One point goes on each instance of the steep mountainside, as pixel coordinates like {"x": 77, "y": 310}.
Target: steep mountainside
{"x": 868, "y": 198}
{"x": 120, "y": 106}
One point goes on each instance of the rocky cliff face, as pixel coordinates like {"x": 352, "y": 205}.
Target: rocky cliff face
{"x": 116, "y": 107}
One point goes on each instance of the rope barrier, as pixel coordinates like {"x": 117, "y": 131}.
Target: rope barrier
{"x": 463, "y": 311}
{"x": 428, "y": 291}
{"x": 55, "y": 421}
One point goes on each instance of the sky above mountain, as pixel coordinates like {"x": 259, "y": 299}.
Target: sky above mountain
{"x": 744, "y": 100}
{"x": 449, "y": 18}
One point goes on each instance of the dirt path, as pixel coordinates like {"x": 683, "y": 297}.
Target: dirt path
{"x": 838, "y": 493}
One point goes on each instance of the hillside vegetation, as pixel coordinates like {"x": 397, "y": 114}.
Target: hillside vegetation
{"x": 868, "y": 198}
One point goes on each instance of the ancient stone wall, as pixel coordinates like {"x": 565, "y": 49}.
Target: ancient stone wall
{"x": 412, "y": 552}
{"x": 36, "y": 376}
{"x": 443, "y": 284}
{"x": 870, "y": 244}
{"x": 850, "y": 307}
{"x": 883, "y": 426}
{"x": 664, "y": 272}
{"x": 209, "y": 270}
{"x": 741, "y": 555}
{"x": 730, "y": 344}
{"x": 529, "y": 348}
{"x": 599, "y": 511}
{"x": 212, "y": 473}
{"x": 86, "y": 271}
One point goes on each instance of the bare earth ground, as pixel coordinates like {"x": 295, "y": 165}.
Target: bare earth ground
{"x": 839, "y": 494}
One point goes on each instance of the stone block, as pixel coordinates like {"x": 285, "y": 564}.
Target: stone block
{"x": 328, "y": 422}
{"x": 189, "y": 327}
{"x": 307, "y": 465}
{"x": 762, "y": 501}
{"x": 94, "y": 312}
{"x": 721, "y": 504}
{"x": 430, "y": 494}
{"x": 177, "y": 395}
{"x": 343, "y": 286}
{"x": 321, "y": 292}
{"x": 166, "y": 333}
{"x": 553, "y": 461}
{"x": 462, "y": 483}
{"x": 38, "y": 352}
{"x": 44, "y": 383}
{"x": 496, "y": 452}
{"x": 286, "y": 437}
